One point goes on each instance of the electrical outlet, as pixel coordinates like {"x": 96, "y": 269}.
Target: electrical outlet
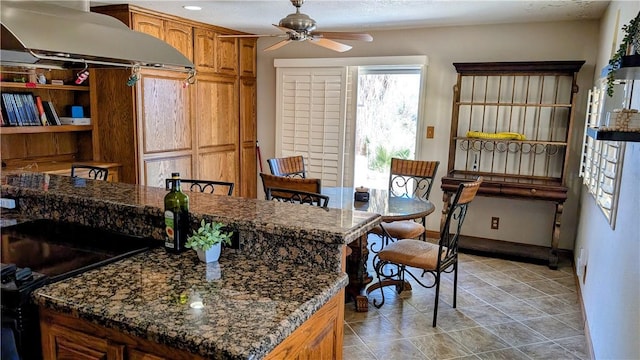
{"x": 430, "y": 131}
{"x": 495, "y": 223}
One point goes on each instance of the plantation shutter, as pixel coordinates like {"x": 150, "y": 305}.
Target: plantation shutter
{"x": 310, "y": 119}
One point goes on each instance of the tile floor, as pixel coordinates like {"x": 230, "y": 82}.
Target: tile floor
{"x": 506, "y": 310}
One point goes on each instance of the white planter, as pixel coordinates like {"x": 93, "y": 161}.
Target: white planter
{"x": 211, "y": 255}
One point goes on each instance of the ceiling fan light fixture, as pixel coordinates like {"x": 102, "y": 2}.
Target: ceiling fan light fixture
{"x": 192, "y": 7}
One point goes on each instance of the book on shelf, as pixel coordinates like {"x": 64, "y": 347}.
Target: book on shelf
{"x": 20, "y": 109}
{"x": 9, "y": 109}
{"x": 41, "y": 113}
{"x": 50, "y": 111}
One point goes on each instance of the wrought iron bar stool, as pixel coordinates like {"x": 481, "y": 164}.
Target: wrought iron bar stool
{"x": 94, "y": 172}
{"x": 210, "y": 186}
{"x": 433, "y": 259}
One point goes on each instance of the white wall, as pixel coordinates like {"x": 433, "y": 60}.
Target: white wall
{"x": 611, "y": 290}
{"x": 521, "y": 221}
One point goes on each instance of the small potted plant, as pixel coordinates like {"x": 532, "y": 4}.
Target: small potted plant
{"x": 629, "y": 47}
{"x": 207, "y": 240}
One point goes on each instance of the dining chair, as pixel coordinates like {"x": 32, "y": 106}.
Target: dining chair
{"x": 210, "y": 186}
{"x": 93, "y": 172}
{"x": 292, "y": 166}
{"x": 412, "y": 179}
{"x": 282, "y": 182}
{"x": 297, "y": 197}
{"x": 434, "y": 259}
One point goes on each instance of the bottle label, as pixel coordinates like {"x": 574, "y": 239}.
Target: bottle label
{"x": 169, "y": 229}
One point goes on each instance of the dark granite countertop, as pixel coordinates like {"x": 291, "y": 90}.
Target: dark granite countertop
{"x": 248, "y": 307}
{"x": 287, "y": 267}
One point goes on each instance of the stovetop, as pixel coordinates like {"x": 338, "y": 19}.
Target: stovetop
{"x": 42, "y": 251}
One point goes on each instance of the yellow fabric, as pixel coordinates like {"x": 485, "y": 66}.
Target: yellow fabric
{"x": 496, "y": 136}
{"x": 415, "y": 253}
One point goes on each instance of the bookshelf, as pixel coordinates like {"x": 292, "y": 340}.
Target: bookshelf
{"x": 37, "y": 146}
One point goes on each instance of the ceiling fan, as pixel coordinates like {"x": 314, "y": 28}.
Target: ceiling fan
{"x": 300, "y": 27}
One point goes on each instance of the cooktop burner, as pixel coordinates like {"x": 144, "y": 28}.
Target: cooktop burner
{"x": 59, "y": 250}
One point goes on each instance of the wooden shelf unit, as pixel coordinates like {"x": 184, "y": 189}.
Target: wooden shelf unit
{"x": 31, "y": 146}
{"x": 535, "y": 99}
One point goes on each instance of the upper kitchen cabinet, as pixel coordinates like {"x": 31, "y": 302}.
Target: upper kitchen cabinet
{"x": 247, "y": 57}
{"x": 205, "y": 130}
{"x": 172, "y": 30}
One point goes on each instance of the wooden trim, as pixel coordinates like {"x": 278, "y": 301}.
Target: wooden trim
{"x": 537, "y": 67}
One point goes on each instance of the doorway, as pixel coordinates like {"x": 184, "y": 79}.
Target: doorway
{"x": 386, "y": 122}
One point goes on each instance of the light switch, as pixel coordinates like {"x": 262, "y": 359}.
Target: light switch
{"x": 430, "y": 131}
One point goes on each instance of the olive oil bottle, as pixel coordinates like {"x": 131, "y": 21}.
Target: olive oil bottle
{"x": 176, "y": 217}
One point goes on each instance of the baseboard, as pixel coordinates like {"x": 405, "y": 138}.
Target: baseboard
{"x": 585, "y": 323}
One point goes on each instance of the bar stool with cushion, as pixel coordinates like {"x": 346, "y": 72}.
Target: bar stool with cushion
{"x": 210, "y": 186}
{"x": 434, "y": 259}
{"x": 292, "y": 166}
{"x": 93, "y": 172}
{"x": 281, "y": 182}
{"x": 413, "y": 179}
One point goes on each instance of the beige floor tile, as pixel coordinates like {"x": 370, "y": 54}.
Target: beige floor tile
{"x": 551, "y": 305}
{"x": 357, "y": 353}
{"x": 492, "y": 294}
{"x": 452, "y": 319}
{"x": 413, "y": 324}
{"x": 504, "y": 354}
{"x": 350, "y": 337}
{"x": 375, "y": 329}
{"x": 516, "y": 334}
{"x": 546, "y": 351}
{"x": 552, "y": 328}
{"x": 521, "y": 290}
{"x": 519, "y": 310}
{"x": 577, "y": 346}
{"x": 397, "y": 350}
{"x": 440, "y": 346}
{"x": 478, "y": 340}
{"x": 486, "y": 315}
{"x": 550, "y": 287}
{"x": 573, "y": 319}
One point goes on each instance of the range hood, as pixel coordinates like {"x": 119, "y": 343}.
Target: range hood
{"x": 35, "y": 32}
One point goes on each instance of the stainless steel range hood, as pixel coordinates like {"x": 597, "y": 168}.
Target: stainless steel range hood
{"x": 35, "y": 32}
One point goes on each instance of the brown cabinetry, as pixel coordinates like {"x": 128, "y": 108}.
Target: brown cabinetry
{"x": 511, "y": 123}
{"x": 197, "y": 130}
{"x": 68, "y": 337}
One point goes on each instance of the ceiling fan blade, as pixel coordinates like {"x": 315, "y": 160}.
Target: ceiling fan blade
{"x": 278, "y": 45}
{"x": 342, "y": 36}
{"x": 286, "y": 29}
{"x": 330, "y": 44}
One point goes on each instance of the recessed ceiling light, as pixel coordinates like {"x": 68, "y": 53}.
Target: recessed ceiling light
{"x": 192, "y": 7}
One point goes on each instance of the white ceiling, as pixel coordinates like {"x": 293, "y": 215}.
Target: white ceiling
{"x": 367, "y": 15}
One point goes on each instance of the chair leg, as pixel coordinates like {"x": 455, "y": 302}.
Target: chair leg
{"x": 378, "y": 268}
{"x": 435, "y": 309}
{"x": 455, "y": 282}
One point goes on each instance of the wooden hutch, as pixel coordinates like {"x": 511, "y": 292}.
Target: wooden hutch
{"x": 511, "y": 123}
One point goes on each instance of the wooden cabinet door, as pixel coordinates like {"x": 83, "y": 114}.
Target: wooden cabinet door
{"x": 248, "y": 57}
{"x": 204, "y": 50}
{"x": 139, "y": 355}
{"x": 227, "y": 56}
{"x": 164, "y": 126}
{"x": 61, "y": 343}
{"x": 216, "y": 112}
{"x": 248, "y": 138}
{"x": 180, "y": 36}
{"x": 150, "y": 25}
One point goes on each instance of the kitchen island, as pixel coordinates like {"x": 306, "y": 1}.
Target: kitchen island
{"x": 287, "y": 270}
